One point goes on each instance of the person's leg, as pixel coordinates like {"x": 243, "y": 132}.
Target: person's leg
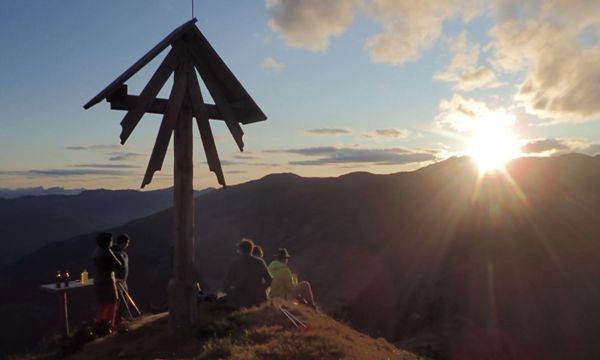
{"x": 113, "y": 314}
{"x": 304, "y": 290}
{"x": 100, "y": 312}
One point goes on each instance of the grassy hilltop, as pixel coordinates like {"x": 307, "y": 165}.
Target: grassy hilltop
{"x": 255, "y": 333}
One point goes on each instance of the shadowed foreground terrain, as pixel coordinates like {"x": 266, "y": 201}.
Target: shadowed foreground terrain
{"x": 438, "y": 260}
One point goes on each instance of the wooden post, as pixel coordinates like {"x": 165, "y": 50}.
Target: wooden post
{"x": 182, "y": 288}
{"x": 64, "y": 312}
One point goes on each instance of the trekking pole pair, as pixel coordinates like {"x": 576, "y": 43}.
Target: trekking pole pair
{"x": 297, "y": 323}
{"x": 128, "y": 300}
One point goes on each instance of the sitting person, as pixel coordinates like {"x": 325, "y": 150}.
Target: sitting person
{"x": 285, "y": 283}
{"x": 247, "y": 279}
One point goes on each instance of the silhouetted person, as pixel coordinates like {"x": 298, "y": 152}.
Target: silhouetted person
{"x": 285, "y": 283}
{"x": 257, "y": 251}
{"x": 119, "y": 248}
{"x": 247, "y": 279}
{"x": 106, "y": 293}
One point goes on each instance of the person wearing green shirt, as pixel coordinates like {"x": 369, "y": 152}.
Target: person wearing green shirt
{"x": 285, "y": 283}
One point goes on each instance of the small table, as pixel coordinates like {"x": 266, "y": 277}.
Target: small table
{"x": 63, "y": 299}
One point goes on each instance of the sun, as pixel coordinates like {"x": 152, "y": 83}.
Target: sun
{"x": 492, "y": 144}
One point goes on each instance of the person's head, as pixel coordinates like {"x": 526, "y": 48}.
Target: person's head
{"x": 257, "y": 251}
{"x": 122, "y": 241}
{"x": 283, "y": 255}
{"x": 245, "y": 246}
{"x": 103, "y": 240}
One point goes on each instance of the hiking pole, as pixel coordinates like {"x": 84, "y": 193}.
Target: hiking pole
{"x": 288, "y": 316}
{"x": 295, "y": 318}
{"x": 128, "y": 298}
{"x": 124, "y": 301}
{"x": 297, "y": 323}
{"x": 290, "y": 319}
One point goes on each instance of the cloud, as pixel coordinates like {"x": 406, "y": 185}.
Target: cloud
{"x": 543, "y": 145}
{"x": 562, "y": 73}
{"x": 124, "y": 156}
{"x": 77, "y": 172}
{"x": 106, "y": 166}
{"x": 387, "y": 133}
{"x": 271, "y": 64}
{"x": 551, "y": 45}
{"x": 464, "y": 69}
{"x": 327, "y": 155}
{"x": 559, "y": 146}
{"x": 309, "y": 24}
{"x": 94, "y": 147}
{"x": 410, "y": 27}
{"x": 329, "y": 131}
{"x": 463, "y": 115}
{"x": 42, "y": 173}
{"x": 246, "y": 156}
{"x": 244, "y": 163}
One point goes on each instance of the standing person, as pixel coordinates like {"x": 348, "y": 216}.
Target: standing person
{"x": 285, "y": 283}
{"x": 119, "y": 249}
{"x": 247, "y": 278}
{"x": 106, "y": 293}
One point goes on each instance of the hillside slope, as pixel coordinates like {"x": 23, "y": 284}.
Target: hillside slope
{"x": 454, "y": 265}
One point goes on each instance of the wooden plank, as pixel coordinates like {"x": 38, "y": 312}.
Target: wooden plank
{"x": 167, "y": 125}
{"x": 208, "y": 140}
{"x": 148, "y": 94}
{"x": 245, "y": 109}
{"x": 220, "y": 100}
{"x": 158, "y": 106}
{"x": 143, "y": 61}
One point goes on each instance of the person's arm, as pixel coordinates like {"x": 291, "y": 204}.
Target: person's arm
{"x": 266, "y": 276}
{"x": 288, "y": 280}
{"x": 114, "y": 260}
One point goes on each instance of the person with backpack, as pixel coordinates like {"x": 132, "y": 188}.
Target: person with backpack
{"x": 106, "y": 264}
{"x": 247, "y": 278}
{"x": 285, "y": 283}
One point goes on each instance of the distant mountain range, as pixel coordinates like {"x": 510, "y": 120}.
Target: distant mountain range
{"x": 6, "y": 193}
{"x": 442, "y": 261}
{"x": 27, "y": 223}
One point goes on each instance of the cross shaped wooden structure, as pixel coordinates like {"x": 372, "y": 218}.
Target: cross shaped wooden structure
{"x": 190, "y": 52}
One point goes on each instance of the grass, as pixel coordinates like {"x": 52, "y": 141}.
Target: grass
{"x": 255, "y": 333}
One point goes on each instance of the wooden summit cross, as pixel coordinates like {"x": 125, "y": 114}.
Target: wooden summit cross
{"x": 190, "y": 52}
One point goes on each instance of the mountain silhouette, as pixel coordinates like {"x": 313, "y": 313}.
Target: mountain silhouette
{"x": 27, "y": 223}
{"x": 6, "y": 193}
{"x": 442, "y": 260}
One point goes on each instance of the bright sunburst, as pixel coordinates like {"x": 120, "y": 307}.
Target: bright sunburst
{"x": 492, "y": 143}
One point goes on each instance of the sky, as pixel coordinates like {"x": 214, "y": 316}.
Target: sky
{"x": 347, "y": 85}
